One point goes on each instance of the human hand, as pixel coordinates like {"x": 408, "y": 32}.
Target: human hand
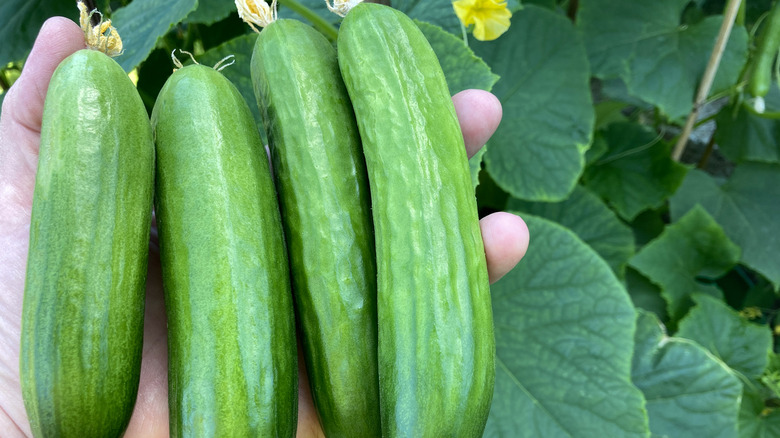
{"x": 505, "y": 237}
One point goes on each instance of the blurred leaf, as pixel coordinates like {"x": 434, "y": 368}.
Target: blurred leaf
{"x": 686, "y": 388}
{"x": 637, "y": 172}
{"x": 645, "y": 295}
{"x": 745, "y": 136}
{"x": 564, "y": 330}
{"x": 319, "y": 7}
{"x": 756, "y": 420}
{"x": 608, "y": 112}
{"x": 714, "y": 325}
{"x": 143, "y": 22}
{"x": 747, "y": 206}
{"x": 475, "y": 165}
{"x": 661, "y": 61}
{"x": 594, "y": 223}
{"x": 20, "y": 21}
{"x": 462, "y": 68}
{"x": 238, "y": 73}
{"x": 538, "y": 151}
{"x": 211, "y": 11}
{"x": 695, "y": 245}
{"x": 439, "y": 12}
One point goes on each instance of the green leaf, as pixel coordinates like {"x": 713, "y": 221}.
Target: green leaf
{"x": 689, "y": 392}
{"x": 438, "y": 12}
{"x": 747, "y": 208}
{"x": 714, "y": 325}
{"x": 637, "y": 172}
{"x": 20, "y": 21}
{"x": 695, "y": 245}
{"x": 319, "y": 7}
{"x": 211, "y": 11}
{"x": 756, "y": 420}
{"x": 238, "y": 73}
{"x": 475, "y": 165}
{"x": 564, "y": 331}
{"x": 660, "y": 60}
{"x": 143, "y": 22}
{"x": 537, "y": 153}
{"x": 594, "y": 223}
{"x": 645, "y": 295}
{"x": 745, "y": 136}
{"x": 462, "y": 68}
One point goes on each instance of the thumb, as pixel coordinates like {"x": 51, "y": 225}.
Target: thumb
{"x": 20, "y": 119}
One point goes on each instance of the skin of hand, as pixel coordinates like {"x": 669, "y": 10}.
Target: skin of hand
{"x": 505, "y": 237}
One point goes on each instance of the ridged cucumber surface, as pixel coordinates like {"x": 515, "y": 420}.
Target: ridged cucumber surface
{"x": 82, "y": 323}
{"x": 231, "y": 333}
{"x": 436, "y": 345}
{"x": 323, "y": 190}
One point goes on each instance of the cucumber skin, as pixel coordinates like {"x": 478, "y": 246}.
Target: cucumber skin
{"x": 321, "y": 179}
{"x": 82, "y": 321}
{"x": 436, "y": 345}
{"x": 231, "y": 330}
{"x": 761, "y": 74}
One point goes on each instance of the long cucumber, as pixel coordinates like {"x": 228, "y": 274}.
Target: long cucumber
{"x": 231, "y": 333}
{"x": 321, "y": 178}
{"x": 82, "y": 322}
{"x": 436, "y": 345}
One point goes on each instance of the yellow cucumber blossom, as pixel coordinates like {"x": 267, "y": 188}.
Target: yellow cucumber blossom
{"x": 489, "y": 17}
{"x": 103, "y": 36}
{"x": 256, "y": 12}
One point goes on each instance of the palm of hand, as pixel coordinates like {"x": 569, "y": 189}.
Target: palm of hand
{"x": 505, "y": 237}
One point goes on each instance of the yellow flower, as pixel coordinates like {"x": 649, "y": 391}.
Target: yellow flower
{"x": 489, "y": 17}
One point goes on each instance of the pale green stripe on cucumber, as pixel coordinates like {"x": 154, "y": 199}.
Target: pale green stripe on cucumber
{"x": 231, "y": 333}
{"x": 436, "y": 345}
{"x": 82, "y": 323}
{"x": 320, "y": 175}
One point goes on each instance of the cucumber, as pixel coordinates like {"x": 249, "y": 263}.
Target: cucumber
{"x": 82, "y": 319}
{"x": 231, "y": 331}
{"x": 323, "y": 191}
{"x": 436, "y": 344}
{"x": 768, "y": 44}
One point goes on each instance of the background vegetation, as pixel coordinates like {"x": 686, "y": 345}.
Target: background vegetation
{"x": 647, "y": 303}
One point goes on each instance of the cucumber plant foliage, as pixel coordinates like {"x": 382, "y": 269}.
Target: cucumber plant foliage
{"x": 594, "y": 94}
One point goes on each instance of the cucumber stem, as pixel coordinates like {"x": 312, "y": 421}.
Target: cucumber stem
{"x": 319, "y": 23}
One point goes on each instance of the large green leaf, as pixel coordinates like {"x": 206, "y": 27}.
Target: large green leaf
{"x": 689, "y": 392}
{"x": 20, "y": 21}
{"x": 747, "y": 206}
{"x": 661, "y": 61}
{"x": 714, "y": 325}
{"x": 143, "y": 22}
{"x": 439, "y": 12}
{"x": 756, "y": 420}
{"x": 319, "y": 7}
{"x": 694, "y": 246}
{"x": 637, "y": 171}
{"x": 537, "y": 153}
{"x": 211, "y": 11}
{"x": 238, "y": 73}
{"x": 564, "y": 333}
{"x": 461, "y": 67}
{"x": 745, "y": 136}
{"x": 588, "y": 216}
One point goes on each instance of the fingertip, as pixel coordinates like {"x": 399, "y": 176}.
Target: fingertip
{"x": 506, "y": 240}
{"x": 479, "y": 113}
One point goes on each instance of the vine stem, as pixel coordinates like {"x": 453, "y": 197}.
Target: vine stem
{"x": 318, "y": 22}
{"x": 709, "y": 75}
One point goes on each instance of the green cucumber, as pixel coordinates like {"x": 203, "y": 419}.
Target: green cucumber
{"x": 323, "y": 191}
{"x": 231, "y": 331}
{"x": 82, "y": 323}
{"x": 768, "y": 44}
{"x": 436, "y": 345}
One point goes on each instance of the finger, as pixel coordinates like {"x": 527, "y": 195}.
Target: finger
{"x": 20, "y": 124}
{"x": 479, "y": 113}
{"x": 506, "y": 240}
